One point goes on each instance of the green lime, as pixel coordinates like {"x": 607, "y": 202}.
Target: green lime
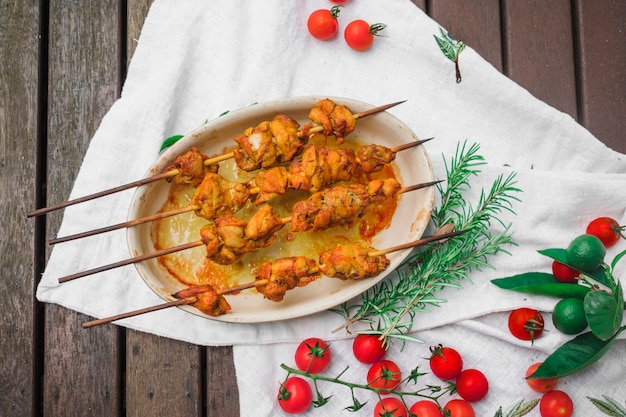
{"x": 569, "y": 316}
{"x": 586, "y": 253}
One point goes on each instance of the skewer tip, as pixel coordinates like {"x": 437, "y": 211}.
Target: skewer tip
{"x": 378, "y": 109}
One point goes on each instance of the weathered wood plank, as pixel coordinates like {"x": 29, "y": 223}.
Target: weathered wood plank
{"x": 222, "y": 393}
{"x": 477, "y": 23}
{"x": 602, "y": 69}
{"x": 137, "y": 10}
{"x": 18, "y": 150}
{"x": 539, "y": 50}
{"x": 420, "y": 3}
{"x": 81, "y": 367}
{"x": 164, "y": 377}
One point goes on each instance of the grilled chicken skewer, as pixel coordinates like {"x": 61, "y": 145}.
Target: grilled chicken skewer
{"x": 229, "y": 238}
{"x": 274, "y": 279}
{"x": 254, "y": 149}
{"x": 216, "y": 196}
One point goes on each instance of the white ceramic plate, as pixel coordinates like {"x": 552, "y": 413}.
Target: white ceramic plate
{"x": 413, "y": 211}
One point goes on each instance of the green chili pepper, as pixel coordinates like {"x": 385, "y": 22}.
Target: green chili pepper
{"x": 560, "y": 255}
{"x": 604, "y": 312}
{"x": 574, "y": 355}
{"x": 541, "y": 283}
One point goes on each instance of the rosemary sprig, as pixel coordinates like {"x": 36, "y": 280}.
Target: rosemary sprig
{"x": 609, "y": 406}
{"x": 389, "y": 308}
{"x": 520, "y": 408}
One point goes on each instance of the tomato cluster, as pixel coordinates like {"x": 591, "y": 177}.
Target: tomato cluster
{"x": 295, "y": 395}
{"x": 446, "y": 363}
{"x": 323, "y": 24}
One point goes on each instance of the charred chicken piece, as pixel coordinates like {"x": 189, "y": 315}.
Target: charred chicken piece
{"x": 285, "y": 274}
{"x": 263, "y": 224}
{"x": 228, "y": 238}
{"x": 336, "y": 119}
{"x": 286, "y": 136}
{"x": 352, "y": 261}
{"x": 340, "y": 205}
{"x": 318, "y": 169}
{"x": 256, "y": 148}
{"x": 372, "y": 158}
{"x": 336, "y": 206}
{"x": 381, "y": 190}
{"x": 270, "y": 183}
{"x": 216, "y": 196}
{"x": 268, "y": 143}
{"x": 207, "y": 299}
{"x": 191, "y": 168}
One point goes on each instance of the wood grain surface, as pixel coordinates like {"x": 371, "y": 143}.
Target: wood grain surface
{"x": 62, "y": 66}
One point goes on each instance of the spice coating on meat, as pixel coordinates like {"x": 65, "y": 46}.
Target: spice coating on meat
{"x": 216, "y": 196}
{"x": 228, "y": 238}
{"x": 285, "y": 132}
{"x": 336, "y": 119}
{"x": 191, "y": 167}
{"x": 336, "y": 206}
{"x": 256, "y": 148}
{"x": 207, "y": 301}
{"x": 285, "y": 274}
{"x": 382, "y": 190}
{"x": 268, "y": 143}
{"x": 373, "y": 158}
{"x": 318, "y": 169}
{"x": 352, "y": 261}
{"x": 270, "y": 184}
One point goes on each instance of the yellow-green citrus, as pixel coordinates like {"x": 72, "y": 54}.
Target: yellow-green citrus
{"x": 586, "y": 253}
{"x": 569, "y": 316}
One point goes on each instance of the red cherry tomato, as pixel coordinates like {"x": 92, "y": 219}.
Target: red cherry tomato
{"x": 526, "y": 323}
{"x": 556, "y": 404}
{"x": 564, "y": 273}
{"x": 445, "y": 362}
{"x": 359, "y": 35}
{"x": 539, "y": 385}
{"x": 472, "y": 385}
{"x": 322, "y": 23}
{"x": 426, "y": 408}
{"x": 384, "y": 375}
{"x": 368, "y": 348}
{"x": 312, "y": 355}
{"x": 390, "y": 407}
{"x": 459, "y": 408}
{"x": 606, "y": 229}
{"x": 339, "y": 1}
{"x": 295, "y": 395}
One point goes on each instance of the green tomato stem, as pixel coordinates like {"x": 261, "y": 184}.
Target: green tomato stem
{"x": 432, "y": 392}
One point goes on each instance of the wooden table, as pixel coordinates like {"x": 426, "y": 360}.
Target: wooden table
{"x": 62, "y": 65}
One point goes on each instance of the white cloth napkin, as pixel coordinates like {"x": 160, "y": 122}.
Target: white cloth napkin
{"x": 196, "y": 59}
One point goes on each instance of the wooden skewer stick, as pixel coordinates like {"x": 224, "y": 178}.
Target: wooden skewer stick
{"x": 408, "y": 145}
{"x": 163, "y": 175}
{"x": 175, "y": 303}
{"x": 156, "y": 216}
{"x": 190, "y": 245}
{"x": 174, "y": 172}
{"x": 132, "y": 260}
{"x": 415, "y": 243}
{"x": 186, "y": 209}
{"x": 190, "y": 300}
